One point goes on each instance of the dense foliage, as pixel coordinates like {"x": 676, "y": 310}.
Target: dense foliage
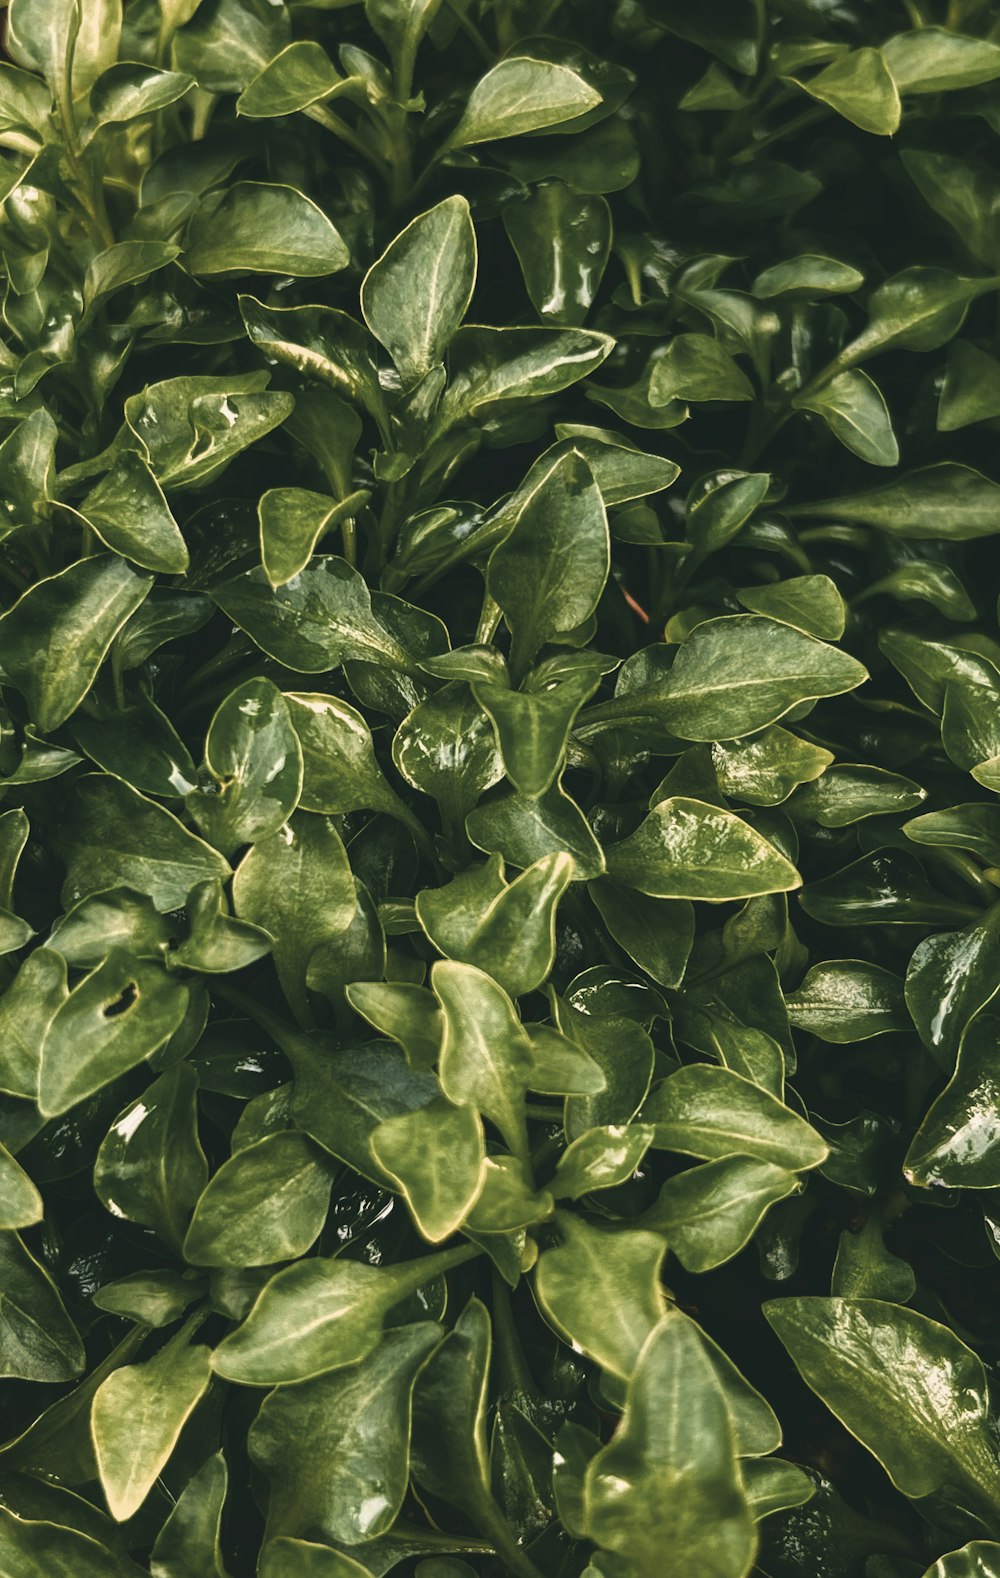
{"x": 501, "y": 724}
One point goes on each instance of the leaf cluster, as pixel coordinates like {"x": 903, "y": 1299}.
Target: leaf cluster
{"x": 499, "y": 745}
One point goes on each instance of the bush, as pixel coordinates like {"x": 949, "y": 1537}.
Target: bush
{"x": 502, "y": 716}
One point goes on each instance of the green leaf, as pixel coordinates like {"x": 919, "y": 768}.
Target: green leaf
{"x": 887, "y": 887}
{"x": 300, "y": 75}
{"x": 55, "y": 638}
{"x": 601, "y": 1158}
{"x": 20, "y": 1203}
{"x": 908, "y": 1388}
{"x": 287, "y": 1558}
{"x": 258, "y": 228}
{"x": 854, "y": 409}
{"x": 336, "y": 1450}
{"x": 490, "y": 367}
{"x": 524, "y": 829}
{"x": 450, "y": 1457}
{"x": 971, "y": 388}
{"x": 533, "y": 727}
{"x": 509, "y": 931}
{"x": 847, "y": 793}
{"x": 766, "y": 768}
{"x": 339, "y": 770}
{"x": 417, "y": 293}
{"x": 709, "y": 1213}
{"x": 152, "y": 1298}
{"x": 446, "y": 748}
{"x": 978, "y": 1559}
{"x": 847, "y": 1000}
{"x": 562, "y": 238}
{"x": 266, "y": 1203}
{"x": 137, "y": 1416}
{"x": 937, "y": 60}
{"x": 118, "y": 838}
{"x": 860, "y": 87}
{"x": 126, "y": 263}
{"x": 407, "y": 1013}
{"x": 320, "y": 1315}
{"x": 697, "y": 367}
{"x": 656, "y": 933}
{"x": 917, "y": 310}
{"x": 33, "y": 1547}
{"x": 27, "y": 456}
{"x": 27, "y": 1008}
{"x": 712, "y": 1112}
{"x": 950, "y": 979}
{"x": 864, "y": 1268}
{"x": 808, "y": 274}
{"x": 318, "y": 620}
{"x": 957, "y": 1143}
{"x": 188, "y": 1542}
{"x": 548, "y": 575}
{"x": 292, "y": 522}
{"x": 734, "y": 676}
{"x": 522, "y": 95}
{"x": 437, "y": 1156}
{"x": 401, "y": 24}
{"x": 297, "y": 885}
{"x": 667, "y": 1489}
{"x": 321, "y": 343}
{"x": 190, "y": 429}
{"x": 688, "y": 850}
{"x": 38, "y": 1341}
{"x": 217, "y": 943}
{"x": 975, "y": 826}
{"x": 965, "y": 195}
{"x": 485, "y": 1058}
{"x": 601, "y": 1291}
{"x": 150, "y": 1167}
{"x": 117, "y": 1016}
{"x": 127, "y": 91}
{"x": 129, "y": 513}
{"x": 253, "y": 767}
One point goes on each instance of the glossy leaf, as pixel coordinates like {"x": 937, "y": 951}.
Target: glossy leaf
{"x": 118, "y": 1015}
{"x": 150, "y": 1167}
{"x": 253, "y": 764}
{"x": 709, "y": 693}
{"x": 712, "y": 1112}
{"x": 336, "y": 1449}
{"x": 917, "y": 1376}
{"x": 263, "y": 229}
{"x": 55, "y": 638}
{"x": 297, "y": 885}
{"x": 686, "y": 849}
{"x": 624, "y": 1301}
{"x": 522, "y": 95}
{"x": 38, "y": 1341}
{"x": 320, "y": 1315}
{"x": 137, "y": 1416}
{"x": 668, "y": 1488}
{"x": 416, "y": 295}
{"x": 548, "y": 575}
{"x": 508, "y": 931}
{"x": 847, "y": 1000}
{"x": 267, "y": 1203}
{"x": 562, "y": 238}
{"x": 707, "y": 1214}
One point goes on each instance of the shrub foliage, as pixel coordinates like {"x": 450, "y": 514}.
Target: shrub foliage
{"x": 501, "y": 720}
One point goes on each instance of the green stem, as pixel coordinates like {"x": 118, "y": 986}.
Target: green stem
{"x": 494, "y": 1525}
{"x": 489, "y": 620}
{"x": 508, "y": 1344}
{"x": 333, "y": 123}
{"x": 798, "y": 123}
